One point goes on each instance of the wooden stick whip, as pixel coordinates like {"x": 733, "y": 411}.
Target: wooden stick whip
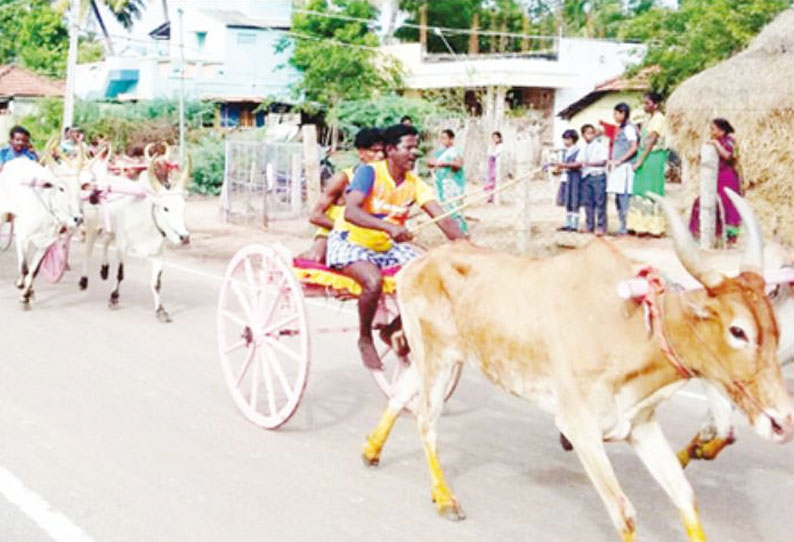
{"x": 475, "y": 199}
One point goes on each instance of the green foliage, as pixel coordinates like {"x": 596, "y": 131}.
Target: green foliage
{"x": 699, "y": 34}
{"x": 352, "y": 115}
{"x": 337, "y": 57}
{"x": 90, "y": 50}
{"x": 33, "y": 35}
{"x": 208, "y": 158}
{"x": 127, "y": 126}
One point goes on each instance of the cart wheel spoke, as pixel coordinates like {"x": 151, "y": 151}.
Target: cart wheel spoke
{"x": 283, "y": 349}
{"x": 278, "y": 326}
{"x": 236, "y": 346}
{"x": 271, "y": 309}
{"x": 243, "y": 301}
{"x": 234, "y": 318}
{"x": 280, "y": 376}
{"x": 244, "y": 369}
{"x": 271, "y": 400}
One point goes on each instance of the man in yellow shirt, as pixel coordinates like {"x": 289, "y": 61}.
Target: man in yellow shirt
{"x": 377, "y": 204}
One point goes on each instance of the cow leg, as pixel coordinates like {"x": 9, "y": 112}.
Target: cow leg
{"x": 104, "y": 271}
{"x": 114, "y": 295}
{"x": 655, "y": 452}
{"x": 716, "y": 434}
{"x": 156, "y": 284}
{"x": 584, "y": 433}
{"x": 22, "y": 262}
{"x": 406, "y": 389}
{"x": 27, "y": 289}
{"x": 90, "y": 239}
{"x": 431, "y": 403}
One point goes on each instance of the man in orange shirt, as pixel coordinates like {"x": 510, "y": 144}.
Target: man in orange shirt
{"x": 378, "y": 202}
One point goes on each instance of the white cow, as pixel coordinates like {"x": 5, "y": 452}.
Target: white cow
{"x": 44, "y": 206}
{"x": 138, "y": 217}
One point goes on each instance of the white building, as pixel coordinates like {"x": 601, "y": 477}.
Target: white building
{"x": 547, "y": 81}
{"x": 229, "y": 51}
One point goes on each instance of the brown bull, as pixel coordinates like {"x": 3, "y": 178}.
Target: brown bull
{"x": 555, "y": 332}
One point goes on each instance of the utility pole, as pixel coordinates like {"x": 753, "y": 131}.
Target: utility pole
{"x": 71, "y": 64}
{"x": 181, "y": 87}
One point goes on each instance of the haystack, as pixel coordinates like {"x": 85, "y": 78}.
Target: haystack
{"x": 754, "y": 90}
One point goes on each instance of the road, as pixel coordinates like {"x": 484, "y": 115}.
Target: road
{"x": 116, "y": 427}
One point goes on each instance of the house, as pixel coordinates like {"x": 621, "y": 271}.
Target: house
{"x": 596, "y": 106}
{"x": 230, "y": 58}
{"x": 20, "y": 89}
{"x": 545, "y": 79}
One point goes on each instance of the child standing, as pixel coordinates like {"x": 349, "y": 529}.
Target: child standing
{"x": 621, "y": 173}
{"x": 572, "y": 194}
{"x": 494, "y": 159}
{"x": 594, "y": 181}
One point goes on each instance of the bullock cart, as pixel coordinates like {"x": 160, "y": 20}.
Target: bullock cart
{"x": 265, "y": 336}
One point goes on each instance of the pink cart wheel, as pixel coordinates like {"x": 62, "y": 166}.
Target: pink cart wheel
{"x": 394, "y": 365}
{"x": 263, "y": 336}
{"x": 6, "y": 234}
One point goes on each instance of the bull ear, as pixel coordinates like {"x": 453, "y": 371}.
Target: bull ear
{"x": 87, "y": 186}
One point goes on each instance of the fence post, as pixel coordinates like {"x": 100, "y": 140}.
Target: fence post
{"x": 311, "y": 163}
{"x": 296, "y": 190}
{"x": 709, "y": 161}
{"x": 225, "y": 199}
{"x": 525, "y": 162}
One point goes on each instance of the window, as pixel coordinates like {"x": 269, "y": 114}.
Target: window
{"x": 201, "y": 39}
{"x": 246, "y": 38}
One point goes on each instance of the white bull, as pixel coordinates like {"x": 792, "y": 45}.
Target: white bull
{"x": 44, "y": 206}
{"x": 138, "y": 217}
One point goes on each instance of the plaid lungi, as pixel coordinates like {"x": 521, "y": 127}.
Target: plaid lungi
{"x": 341, "y": 253}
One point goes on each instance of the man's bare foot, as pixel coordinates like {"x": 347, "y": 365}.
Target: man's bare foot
{"x": 395, "y": 339}
{"x": 369, "y": 355}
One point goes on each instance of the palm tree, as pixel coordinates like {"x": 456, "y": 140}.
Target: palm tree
{"x": 125, "y": 12}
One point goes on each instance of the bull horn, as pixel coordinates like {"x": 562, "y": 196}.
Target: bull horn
{"x": 753, "y": 259}
{"x": 147, "y": 152}
{"x": 184, "y": 177}
{"x": 80, "y": 157}
{"x": 167, "y": 152}
{"x": 157, "y": 186}
{"x": 685, "y": 247}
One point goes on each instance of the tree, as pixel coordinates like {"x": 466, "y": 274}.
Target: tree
{"x": 338, "y": 57}
{"x": 125, "y": 12}
{"x": 699, "y": 34}
{"x": 33, "y": 35}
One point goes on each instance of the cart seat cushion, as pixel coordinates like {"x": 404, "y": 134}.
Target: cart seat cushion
{"x": 318, "y": 274}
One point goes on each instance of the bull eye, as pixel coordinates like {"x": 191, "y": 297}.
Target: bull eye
{"x": 738, "y": 333}
{"x": 165, "y": 209}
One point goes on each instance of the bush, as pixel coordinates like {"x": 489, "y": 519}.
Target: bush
{"x": 208, "y": 157}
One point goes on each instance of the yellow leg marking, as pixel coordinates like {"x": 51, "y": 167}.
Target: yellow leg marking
{"x": 629, "y": 536}
{"x": 700, "y": 449}
{"x": 684, "y": 457}
{"x": 446, "y": 503}
{"x": 694, "y": 529}
{"x": 372, "y": 448}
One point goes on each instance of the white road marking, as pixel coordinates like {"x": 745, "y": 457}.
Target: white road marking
{"x": 50, "y": 520}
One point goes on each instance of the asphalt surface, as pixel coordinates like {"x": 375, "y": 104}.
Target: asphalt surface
{"x": 123, "y": 426}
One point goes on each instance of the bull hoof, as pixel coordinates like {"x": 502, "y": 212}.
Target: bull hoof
{"x": 25, "y": 300}
{"x": 83, "y": 283}
{"x": 20, "y": 284}
{"x": 163, "y": 316}
{"x": 565, "y": 443}
{"x": 370, "y": 461}
{"x": 113, "y": 302}
{"x": 451, "y": 510}
{"x": 104, "y": 271}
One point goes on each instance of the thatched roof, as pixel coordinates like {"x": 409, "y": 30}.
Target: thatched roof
{"x": 754, "y": 90}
